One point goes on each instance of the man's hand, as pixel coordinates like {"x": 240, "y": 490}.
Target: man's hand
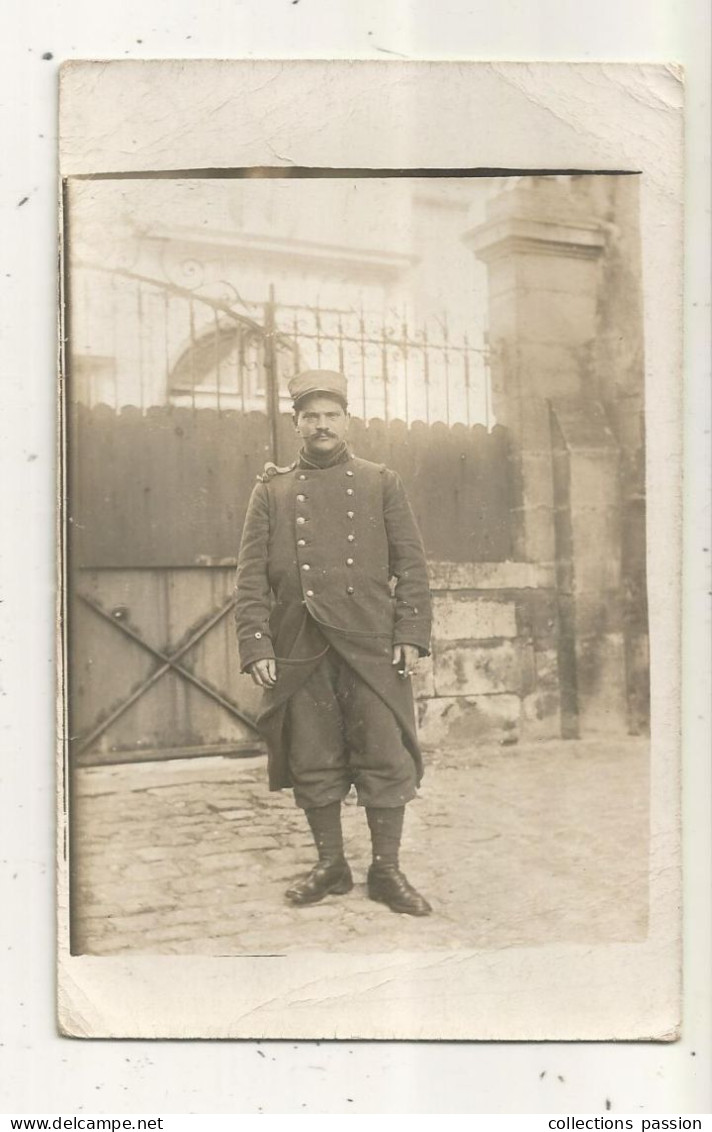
{"x": 264, "y": 673}
{"x": 406, "y": 657}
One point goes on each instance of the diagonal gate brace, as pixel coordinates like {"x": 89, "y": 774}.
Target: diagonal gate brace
{"x": 169, "y": 662}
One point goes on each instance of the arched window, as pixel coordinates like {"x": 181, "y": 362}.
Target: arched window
{"x": 224, "y": 366}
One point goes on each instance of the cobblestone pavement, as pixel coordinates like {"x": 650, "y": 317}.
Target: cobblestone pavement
{"x": 513, "y": 847}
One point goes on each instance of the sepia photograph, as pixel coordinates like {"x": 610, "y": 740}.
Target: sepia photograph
{"x": 357, "y": 619}
{"x": 358, "y": 729}
{"x": 354, "y": 677}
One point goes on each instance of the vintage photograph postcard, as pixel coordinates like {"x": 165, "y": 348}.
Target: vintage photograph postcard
{"x": 370, "y": 423}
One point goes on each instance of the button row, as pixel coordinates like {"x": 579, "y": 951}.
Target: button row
{"x": 303, "y": 541}
{"x": 301, "y": 520}
{"x": 301, "y": 475}
{"x": 310, "y": 593}
{"x": 301, "y": 498}
{"x": 306, "y": 566}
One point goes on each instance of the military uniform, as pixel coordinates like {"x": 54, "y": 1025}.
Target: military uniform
{"x": 318, "y": 550}
{"x": 331, "y": 575}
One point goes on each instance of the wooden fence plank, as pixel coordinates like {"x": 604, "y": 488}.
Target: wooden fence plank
{"x": 170, "y": 487}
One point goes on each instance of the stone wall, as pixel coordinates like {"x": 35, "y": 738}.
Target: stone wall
{"x": 493, "y": 673}
{"x": 565, "y": 312}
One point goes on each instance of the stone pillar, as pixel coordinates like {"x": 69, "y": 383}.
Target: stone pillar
{"x": 587, "y": 497}
{"x": 542, "y": 250}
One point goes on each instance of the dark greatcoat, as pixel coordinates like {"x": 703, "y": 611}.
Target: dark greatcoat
{"x": 331, "y": 557}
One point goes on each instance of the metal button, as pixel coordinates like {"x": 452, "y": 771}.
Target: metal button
{"x": 351, "y": 538}
{"x": 415, "y": 609}
{"x": 349, "y": 589}
{"x": 349, "y": 561}
{"x": 349, "y": 491}
{"x": 301, "y": 542}
{"x": 301, "y": 498}
{"x": 301, "y": 519}
{"x": 349, "y": 473}
{"x": 301, "y": 476}
{"x": 258, "y": 636}
{"x": 310, "y": 593}
{"x": 349, "y": 515}
{"x": 306, "y": 566}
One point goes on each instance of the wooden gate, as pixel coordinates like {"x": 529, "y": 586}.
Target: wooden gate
{"x": 158, "y": 490}
{"x": 154, "y": 669}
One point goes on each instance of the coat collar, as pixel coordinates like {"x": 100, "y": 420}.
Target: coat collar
{"x": 340, "y": 456}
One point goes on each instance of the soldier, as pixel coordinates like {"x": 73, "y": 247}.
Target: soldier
{"x": 333, "y": 613}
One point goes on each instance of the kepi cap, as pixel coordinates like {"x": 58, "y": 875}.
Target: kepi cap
{"x": 326, "y": 381}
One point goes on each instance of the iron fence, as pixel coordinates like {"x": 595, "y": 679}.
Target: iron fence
{"x": 140, "y": 341}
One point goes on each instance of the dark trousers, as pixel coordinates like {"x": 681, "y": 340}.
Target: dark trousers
{"x": 340, "y": 732}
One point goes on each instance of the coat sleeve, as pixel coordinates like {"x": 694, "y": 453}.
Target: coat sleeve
{"x": 407, "y": 566}
{"x": 252, "y": 588}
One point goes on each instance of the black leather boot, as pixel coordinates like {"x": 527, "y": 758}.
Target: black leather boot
{"x": 326, "y": 878}
{"x": 388, "y": 885}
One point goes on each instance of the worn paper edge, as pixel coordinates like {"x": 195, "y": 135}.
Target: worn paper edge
{"x": 97, "y": 996}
